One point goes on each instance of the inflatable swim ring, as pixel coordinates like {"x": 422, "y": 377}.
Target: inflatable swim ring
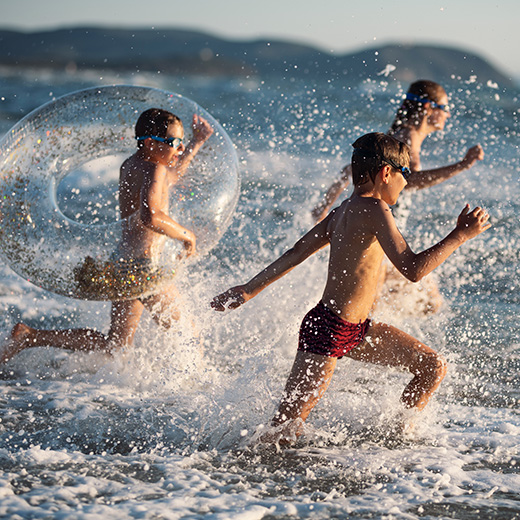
{"x": 43, "y": 238}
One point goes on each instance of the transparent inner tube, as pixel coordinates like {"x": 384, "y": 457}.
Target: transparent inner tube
{"x": 76, "y": 257}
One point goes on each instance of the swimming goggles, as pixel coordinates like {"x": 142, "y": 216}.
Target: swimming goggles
{"x": 420, "y": 99}
{"x": 406, "y": 172}
{"x": 173, "y": 142}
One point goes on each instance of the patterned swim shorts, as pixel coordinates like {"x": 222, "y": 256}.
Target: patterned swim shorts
{"x": 323, "y": 332}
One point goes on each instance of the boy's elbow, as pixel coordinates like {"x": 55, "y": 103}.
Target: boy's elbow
{"x": 413, "y": 275}
{"x": 148, "y": 219}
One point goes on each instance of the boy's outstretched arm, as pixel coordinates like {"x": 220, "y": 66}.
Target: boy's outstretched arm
{"x": 427, "y": 178}
{"x": 314, "y": 240}
{"x": 414, "y": 266}
{"x": 202, "y": 131}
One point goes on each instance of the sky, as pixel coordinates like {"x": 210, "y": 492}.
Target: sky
{"x": 487, "y": 28}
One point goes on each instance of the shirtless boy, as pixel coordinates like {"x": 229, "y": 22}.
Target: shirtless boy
{"x": 144, "y": 183}
{"x": 424, "y": 111}
{"x": 360, "y": 232}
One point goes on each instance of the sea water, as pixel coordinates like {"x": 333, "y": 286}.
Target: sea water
{"x": 164, "y": 431}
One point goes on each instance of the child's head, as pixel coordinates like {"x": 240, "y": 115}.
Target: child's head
{"x": 413, "y": 109}
{"x": 372, "y": 152}
{"x": 155, "y": 122}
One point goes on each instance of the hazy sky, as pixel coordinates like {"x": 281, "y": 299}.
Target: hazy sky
{"x": 489, "y": 28}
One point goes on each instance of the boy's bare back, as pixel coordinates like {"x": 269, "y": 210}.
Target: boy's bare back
{"x": 136, "y": 174}
{"x": 355, "y": 258}
{"x": 361, "y": 231}
{"x": 132, "y": 174}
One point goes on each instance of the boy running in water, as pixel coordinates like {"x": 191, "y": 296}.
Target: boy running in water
{"x": 360, "y": 232}
{"x": 145, "y": 180}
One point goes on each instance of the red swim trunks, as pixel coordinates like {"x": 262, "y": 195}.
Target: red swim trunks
{"x": 323, "y": 332}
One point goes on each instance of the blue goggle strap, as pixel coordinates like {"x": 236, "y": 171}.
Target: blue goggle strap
{"x": 170, "y": 141}
{"x": 422, "y": 99}
{"x": 419, "y": 99}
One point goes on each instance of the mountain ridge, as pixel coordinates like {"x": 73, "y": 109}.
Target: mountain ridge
{"x": 181, "y": 51}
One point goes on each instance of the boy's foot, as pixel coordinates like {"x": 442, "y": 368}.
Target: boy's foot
{"x": 20, "y": 339}
{"x": 281, "y": 435}
{"x": 405, "y": 422}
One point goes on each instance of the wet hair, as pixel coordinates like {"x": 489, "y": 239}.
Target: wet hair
{"x": 154, "y": 121}
{"x": 370, "y": 152}
{"x": 411, "y": 112}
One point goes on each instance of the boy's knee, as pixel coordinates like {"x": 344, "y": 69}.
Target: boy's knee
{"x": 433, "y": 364}
{"x": 437, "y": 364}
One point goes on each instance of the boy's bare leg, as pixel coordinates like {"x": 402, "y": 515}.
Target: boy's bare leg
{"x": 390, "y": 346}
{"x": 309, "y": 378}
{"x": 125, "y": 317}
{"x": 124, "y": 320}
{"x": 162, "y": 307}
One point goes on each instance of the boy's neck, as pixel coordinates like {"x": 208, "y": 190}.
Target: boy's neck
{"x": 368, "y": 189}
{"x": 144, "y": 155}
{"x": 418, "y": 133}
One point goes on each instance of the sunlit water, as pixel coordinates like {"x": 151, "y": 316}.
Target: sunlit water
{"x": 164, "y": 431}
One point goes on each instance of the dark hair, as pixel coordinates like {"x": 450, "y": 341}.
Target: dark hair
{"x": 370, "y": 152}
{"x": 154, "y": 121}
{"x": 411, "y": 112}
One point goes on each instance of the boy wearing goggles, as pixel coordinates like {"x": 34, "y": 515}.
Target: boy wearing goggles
{"x": 360, "y": 232}
{"x": 144, "y": 183}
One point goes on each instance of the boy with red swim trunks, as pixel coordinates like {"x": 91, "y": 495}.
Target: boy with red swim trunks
{"x": 359, "y": 232}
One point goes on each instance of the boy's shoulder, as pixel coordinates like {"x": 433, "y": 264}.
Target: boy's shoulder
{"x": 360, "y": 213}
{"x": 135, "y": 164}
{"x": 367, "y": 205}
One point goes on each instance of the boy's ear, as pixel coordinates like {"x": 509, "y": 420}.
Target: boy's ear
{"x": 384, "y": 172}
{"x": 428, "y": 108}
{"x": 148, "y": 143}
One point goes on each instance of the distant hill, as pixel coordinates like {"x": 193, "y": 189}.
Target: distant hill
{"x": 177, "y": 51}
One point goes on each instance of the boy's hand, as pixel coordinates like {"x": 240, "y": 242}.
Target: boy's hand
{"x": 202, "y": 130}
{"x": 318, "y": 213}
{"x": 237, "y": 295}
{"x": 474, "y": 154}
{"x": 472, "y": 223}
{"x": 189, "y": 243}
